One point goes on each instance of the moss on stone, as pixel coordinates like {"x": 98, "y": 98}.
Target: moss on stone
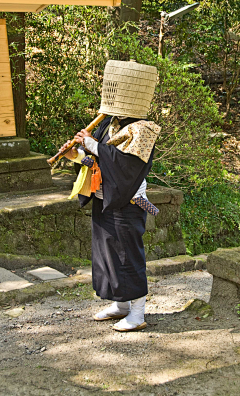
{"x": 147, "y": 237}
{"x": 60, "y": 228}
{"x": 153, "y": 279}
{"x": 200, "y": 307}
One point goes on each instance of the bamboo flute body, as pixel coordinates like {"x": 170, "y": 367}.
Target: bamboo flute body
{"x": 89, "y": 128}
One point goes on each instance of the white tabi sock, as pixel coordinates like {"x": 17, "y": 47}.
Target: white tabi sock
{"x": 115, "y": 311}
{"x": 135, "y": 319}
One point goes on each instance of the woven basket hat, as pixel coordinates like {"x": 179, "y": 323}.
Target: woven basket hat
{"x": 128, "y": 88}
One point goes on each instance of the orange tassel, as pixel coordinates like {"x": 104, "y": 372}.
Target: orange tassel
{"x": 96, "y": 178}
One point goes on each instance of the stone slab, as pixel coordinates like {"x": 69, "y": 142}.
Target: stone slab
{"x": 25, "y": 180}
{"x": 160, "y": 195}
{"x": 170, "y": 265}
{"x": 47, "y": 273}
{"x": 14, "y": 147}
{"x": 16, "y": 261}
{"x": 33, "y": 161}
{"x": 42, "y": 289}
{"x": 10, "y": 281}
{"x": 225, "y": 264}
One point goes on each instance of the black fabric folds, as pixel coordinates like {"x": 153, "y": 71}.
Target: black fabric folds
{"x": 118, "y": 258}
{"x": 83, "y": 200}
{"x": 122, "y": 174}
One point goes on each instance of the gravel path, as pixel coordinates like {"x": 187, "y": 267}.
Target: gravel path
{"x": 55, "y": 347}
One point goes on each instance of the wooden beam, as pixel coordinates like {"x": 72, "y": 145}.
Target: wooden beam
{"x": 32, "y": 6}
{"x": 41, "y": 7}
{"x": 63, "y": 2}
{"x": 9, "y": 7}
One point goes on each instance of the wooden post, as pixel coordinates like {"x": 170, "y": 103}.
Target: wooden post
{"x": 17, "y": 61}
{"x": 161, "y": 34}
{"x": 7, "y": 119}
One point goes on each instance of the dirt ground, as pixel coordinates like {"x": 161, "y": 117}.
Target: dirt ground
{"x": 56, "y": 348}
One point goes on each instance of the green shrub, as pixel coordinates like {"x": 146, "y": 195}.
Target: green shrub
{"x": 209, "y": 37}
{"x": 65, "y": 59}
{"x": 210, "y": 218}
{"x": 186, "y": 154}
{"x": 67, "y": 50}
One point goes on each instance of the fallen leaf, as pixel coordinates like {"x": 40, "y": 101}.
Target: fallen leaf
{"x": 15, "y": 312}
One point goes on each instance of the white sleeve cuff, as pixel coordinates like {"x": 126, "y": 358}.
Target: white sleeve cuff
{"x": 81, "y": 155}
{"x": 91, "y": 145}
{"x": 141, "y": 192}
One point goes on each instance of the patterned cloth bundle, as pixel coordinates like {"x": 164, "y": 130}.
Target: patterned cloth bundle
{"x": 146, "y": 205}
{"x": 88, "y": 161}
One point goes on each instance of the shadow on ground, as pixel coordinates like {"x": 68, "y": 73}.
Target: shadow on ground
{"x": 55, "y": 348}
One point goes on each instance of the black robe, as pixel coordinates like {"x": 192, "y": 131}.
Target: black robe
{"x": 118, "y": 258}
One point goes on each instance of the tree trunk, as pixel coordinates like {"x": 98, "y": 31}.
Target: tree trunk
{"x": 114, "y": 13}
{"x": 16, "y": 41}
{"x": 130, "y": 12}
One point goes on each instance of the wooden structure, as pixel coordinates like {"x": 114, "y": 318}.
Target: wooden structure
{"x": 21, "y": 169}
{"x": 7, "y": 118}
{"x": 37, "y": 6}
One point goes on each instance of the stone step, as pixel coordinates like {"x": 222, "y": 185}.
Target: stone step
{"x": 46, "y": 273}
{"x": 225, "y": 264}
{"x": 32, "y": 161}
{"x": 172, "y": 265}
{"x": 46, "y": 223}
{"x": 163, "y": 266}
{"x": 22, "y": 174}
{"x": 9, "y": 281}
{"x": 50, "y": 281}
{"x": 47, "y": 268}
{"x": 14, "y": 147}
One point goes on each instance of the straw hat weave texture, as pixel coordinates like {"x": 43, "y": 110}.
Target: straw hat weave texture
{"x": 128, "y": 88}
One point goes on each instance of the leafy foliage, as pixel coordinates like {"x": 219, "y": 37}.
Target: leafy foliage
{"x": 206, "y": 37}
{"x": 153, "y": 8}
{"x": 66, "y": 57}
{"x": 185, "y": 109}
{"x": 65, "y": 62}
{"x": 238, "y": 309}
{"x": 210, "y": 218}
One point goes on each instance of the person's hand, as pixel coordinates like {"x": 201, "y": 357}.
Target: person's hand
{"x": 81, "y": 135}
{"x": 71, "y": 154}
{"x": 65, "y": 146}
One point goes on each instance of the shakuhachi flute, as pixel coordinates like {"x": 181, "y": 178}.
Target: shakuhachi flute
{"x": 89, "y": 128}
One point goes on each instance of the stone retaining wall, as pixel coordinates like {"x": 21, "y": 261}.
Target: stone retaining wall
{"x": 224, "y": 265}
{"x": 21, "y": 169}
{"x": 58, "y": 227}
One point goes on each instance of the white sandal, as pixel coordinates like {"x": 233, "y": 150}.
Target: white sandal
{"x": 117, "y": 310}
{"x": 125, "y": 325}
{"x": 135, "y": 319}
